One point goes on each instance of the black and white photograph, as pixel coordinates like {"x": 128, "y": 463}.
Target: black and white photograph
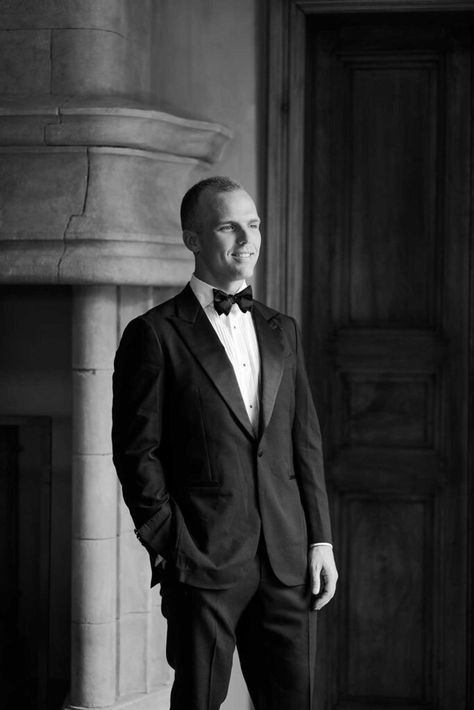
{"x": 236, "y": 354}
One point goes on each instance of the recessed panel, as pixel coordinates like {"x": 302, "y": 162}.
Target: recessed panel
{"x": 386, "y": 608}
{"x": 395, "y": 413}
{"x": 391, "y": 191}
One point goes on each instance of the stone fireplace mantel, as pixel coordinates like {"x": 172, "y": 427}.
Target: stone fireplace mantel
{"x": 91, "y": 189}
{"x": 90, "y": 192}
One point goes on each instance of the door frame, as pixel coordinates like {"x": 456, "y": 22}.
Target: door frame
{"x": 285, "y": 120}
{"x": 284, "y": 178}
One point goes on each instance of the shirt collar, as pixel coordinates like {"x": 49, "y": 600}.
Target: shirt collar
{"x": 204, "y": 292}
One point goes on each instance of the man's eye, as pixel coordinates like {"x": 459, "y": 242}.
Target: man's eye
{"x": 227, "y": 228}
{"x": 255, "y": 225}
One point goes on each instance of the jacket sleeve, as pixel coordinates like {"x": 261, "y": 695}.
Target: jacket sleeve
{"x": 308, "y": 454}
{"x": 138, "y": 391}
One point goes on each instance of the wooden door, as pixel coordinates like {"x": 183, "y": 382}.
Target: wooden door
{"x": 386, "y": 321}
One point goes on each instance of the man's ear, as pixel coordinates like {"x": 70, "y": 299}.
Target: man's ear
{"x": 191, "y": 240}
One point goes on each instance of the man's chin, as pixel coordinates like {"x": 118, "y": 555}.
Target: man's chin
{"x": 245, "y": 271}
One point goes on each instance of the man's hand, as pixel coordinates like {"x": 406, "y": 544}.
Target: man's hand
{"x": 323, "y": 575}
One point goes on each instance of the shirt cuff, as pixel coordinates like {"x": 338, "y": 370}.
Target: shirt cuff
{"x": 321, "y": 544}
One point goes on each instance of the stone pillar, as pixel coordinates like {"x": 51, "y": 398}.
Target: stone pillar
{"x": 118, "y": 634}
{"x": 94, "y": 518}
{"x": 70, "y": 48}
{"x": 141, "y": 626}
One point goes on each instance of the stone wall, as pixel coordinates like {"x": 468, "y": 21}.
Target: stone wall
{"x": 213, "y": 49}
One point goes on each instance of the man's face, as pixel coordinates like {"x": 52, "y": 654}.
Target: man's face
{"x": 226, "y": 242}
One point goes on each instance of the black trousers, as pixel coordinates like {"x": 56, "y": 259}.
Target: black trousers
{"x": 271, "y": 625}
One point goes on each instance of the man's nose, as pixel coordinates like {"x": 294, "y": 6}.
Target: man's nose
{"x": 243, "y": 235}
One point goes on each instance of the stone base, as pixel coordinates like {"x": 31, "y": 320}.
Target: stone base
{"x": 156, "y": 700}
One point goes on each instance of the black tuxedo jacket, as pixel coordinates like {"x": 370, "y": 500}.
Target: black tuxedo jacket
{"x": 200, "y": 486}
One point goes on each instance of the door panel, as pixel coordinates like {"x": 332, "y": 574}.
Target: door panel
{"x": 392, "y": 247}
{"x": 394, "y": 532}
{"x": 387, "y": 290}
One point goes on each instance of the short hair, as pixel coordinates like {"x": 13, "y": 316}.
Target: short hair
{"x": 189, "y": 203}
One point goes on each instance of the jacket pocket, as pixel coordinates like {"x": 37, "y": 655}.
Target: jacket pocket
{"x": 204, "y": 485}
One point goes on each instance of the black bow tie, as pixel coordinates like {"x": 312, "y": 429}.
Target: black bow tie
{"x": 223, "y": 302}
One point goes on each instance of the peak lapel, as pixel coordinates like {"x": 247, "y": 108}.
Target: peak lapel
{"x": 271, "y": 356}
{"x": 200, "y": 337}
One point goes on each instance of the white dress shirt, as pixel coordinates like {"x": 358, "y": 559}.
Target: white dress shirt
{"x": 237, "y": 334}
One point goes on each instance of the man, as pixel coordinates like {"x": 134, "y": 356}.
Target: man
{"x": 218, "y": 449}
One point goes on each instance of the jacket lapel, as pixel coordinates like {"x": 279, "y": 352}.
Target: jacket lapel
{"x": 271, "y": 358}
{"x": 200, "y": 337}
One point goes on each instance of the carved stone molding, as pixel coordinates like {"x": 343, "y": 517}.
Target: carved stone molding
{"x": 108, "y": 121}
{"x": 90, "y": 190}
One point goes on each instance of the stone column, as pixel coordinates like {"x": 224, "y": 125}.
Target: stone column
{"x": 118, "y": 634}
{"x": 94, "y": 521}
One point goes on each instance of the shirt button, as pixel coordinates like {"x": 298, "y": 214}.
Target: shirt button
{"x": 260, "y": 453}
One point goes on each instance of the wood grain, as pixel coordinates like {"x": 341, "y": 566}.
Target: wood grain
{"x": 387, "y": 243}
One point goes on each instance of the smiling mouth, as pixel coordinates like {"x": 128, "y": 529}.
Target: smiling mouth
{"x": 242, "y": 254}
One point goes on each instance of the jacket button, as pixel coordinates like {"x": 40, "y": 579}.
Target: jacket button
{"x": 260, "y": 453}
